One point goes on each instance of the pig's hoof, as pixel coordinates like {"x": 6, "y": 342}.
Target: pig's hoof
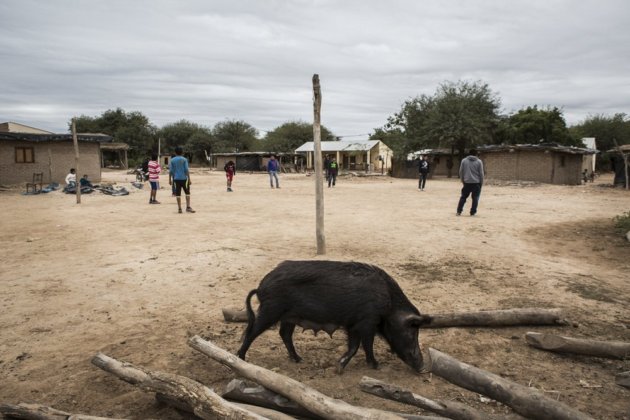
{"x": 339, "y": 369}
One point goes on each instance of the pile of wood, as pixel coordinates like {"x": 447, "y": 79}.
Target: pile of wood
{"x": 275, "y": 396}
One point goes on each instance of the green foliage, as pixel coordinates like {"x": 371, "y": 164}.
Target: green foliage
{"x": 458, "y": 115}
{"x": 622, "y": 222}
{"x": 532, "y": 126}
{"x": 291, "y": 135}
{"x": 234, "y": 136}
{"x": 604, "y": 129}
{"x": 132, "y": 128}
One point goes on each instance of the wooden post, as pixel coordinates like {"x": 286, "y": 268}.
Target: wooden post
{"x": 319, "y": 178}
{"x": 446, "y": 408}
{"x": 528, "y": 402}
{"x": 204, "y": 402}
{"x": 41, "y": 412}
{"x": 559, "y": 344}
{"x": 624, "y": 157}
{"x": 75, "y": 141}
{"x": 50, "y": 166}
{"x": 498, "y": 318}
{"x": 309, "y": 398}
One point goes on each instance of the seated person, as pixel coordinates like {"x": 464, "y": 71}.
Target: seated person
{"x": 71, "y": 178}
{"x": 85, "y": 182}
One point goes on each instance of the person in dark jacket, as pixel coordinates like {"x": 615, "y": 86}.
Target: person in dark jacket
{"x": 471, "y": 174}
{"x": 333, "y": 170}
{"x": 423, "y": 167}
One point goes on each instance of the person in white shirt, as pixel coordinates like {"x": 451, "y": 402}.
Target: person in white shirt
{"x": 71, "y": 177}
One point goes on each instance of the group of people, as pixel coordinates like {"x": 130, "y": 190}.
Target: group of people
{"x": 471, "y": 173}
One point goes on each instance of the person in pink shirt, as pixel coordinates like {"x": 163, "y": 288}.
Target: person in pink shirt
{"x": 154, "y": 177}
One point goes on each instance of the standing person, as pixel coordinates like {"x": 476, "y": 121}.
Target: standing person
{"x": 179, "y": 175}
{"x": 471, "y": 174}
{"x": 327, "y": 166}
{"x": 333, "y": 169}
{"x": 154, "y": 170}
{"x": 230, "y": 171}
{"x": 272, "y": 167}
{"x": 423, "y": 167}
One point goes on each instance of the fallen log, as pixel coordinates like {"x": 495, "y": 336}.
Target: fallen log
{"x": 182, "y": 406}
{"x": 205, "y": 403}
{"x": 623, "y": 379}
{"x": 252, "y": 393}
{"x": 450, "y": 409}
{"x": 498, "y": 318}
{"x": 234, "y": 315}
{"x": 309, "y": 398}
{"x": 40, "y": 412}
{"x": 556, "y": 343}
{"x": 528, "y": 402}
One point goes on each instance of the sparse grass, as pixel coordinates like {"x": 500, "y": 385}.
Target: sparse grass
{"x": 622, "y": 222}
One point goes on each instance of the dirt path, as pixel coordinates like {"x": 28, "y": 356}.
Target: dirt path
{"x": 117, "y": 275}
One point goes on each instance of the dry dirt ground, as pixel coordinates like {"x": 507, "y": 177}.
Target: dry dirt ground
{"x": 133, "y": 280}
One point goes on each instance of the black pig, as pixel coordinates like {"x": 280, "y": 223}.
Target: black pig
{"x": 327, "y": 295}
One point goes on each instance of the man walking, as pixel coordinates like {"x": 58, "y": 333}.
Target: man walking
{"x": 333, "y": 170}
{"x": 179, "y": 175}
{"x": 423, "y": 167}
{"x": 272, "y": 167}
{"x": 471, "y": 174}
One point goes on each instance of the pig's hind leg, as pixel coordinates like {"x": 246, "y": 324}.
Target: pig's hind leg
{"x": 286, "y": 332}
{"x": 261, "y": 324}
{"x": 354, "y": 339}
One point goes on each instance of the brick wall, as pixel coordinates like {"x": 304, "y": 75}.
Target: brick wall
{"x": 523, "y": 165}
{"x": 62, "y": 160}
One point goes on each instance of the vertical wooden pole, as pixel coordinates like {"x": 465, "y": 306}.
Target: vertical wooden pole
{"x": 75, "y": 141}
{"x": 159, "y": 148}
{"x": 319, "y": 177}
{"x": 50, "y": 168}
{"x": 624, "y": 157}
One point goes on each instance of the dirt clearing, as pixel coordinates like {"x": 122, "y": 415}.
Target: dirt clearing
{"x": 134, "y": 281}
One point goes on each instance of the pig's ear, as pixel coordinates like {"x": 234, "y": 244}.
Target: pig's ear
{"x": 418, "y": 320}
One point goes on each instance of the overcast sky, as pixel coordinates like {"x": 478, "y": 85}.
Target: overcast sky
{"x": 207, "y": 61}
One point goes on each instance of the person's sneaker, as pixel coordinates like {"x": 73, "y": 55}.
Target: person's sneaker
{"x": 472, "y": 214}
{"x": 459, "y": 213}
{"x": 156, "y": 202}
{"x": 189, "y": 210}
{"x": 179, "y": 210}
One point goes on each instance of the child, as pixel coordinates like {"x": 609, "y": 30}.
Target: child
{"x": 154, "y": 170}
{"x": 230, "y": 171}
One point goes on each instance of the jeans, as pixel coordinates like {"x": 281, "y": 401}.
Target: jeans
{"x": 423, "y": 181}
{"x": 272, "y": 175}
{"x": 468, "y": 189}
{"x": 332, "y": 178}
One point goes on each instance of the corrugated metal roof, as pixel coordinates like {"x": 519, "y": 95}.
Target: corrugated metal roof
{"x": 32, "y": 137}
{"x": 339, "y": 146}
{"x": 537, "y": 147}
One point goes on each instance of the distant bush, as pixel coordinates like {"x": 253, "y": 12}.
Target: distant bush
{"x": 622, "y": 222}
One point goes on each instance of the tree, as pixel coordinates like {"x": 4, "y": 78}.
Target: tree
{"x": 291, "y": 135}
{"x": 458, "y": 115}
{"x": 604, "y": 129}
{"x": 132, "y": 128}
{"x": 234, "y": 136}
{"x": 532, "y": 125}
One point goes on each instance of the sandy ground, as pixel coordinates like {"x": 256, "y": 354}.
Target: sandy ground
{"x": 133, "y": 280}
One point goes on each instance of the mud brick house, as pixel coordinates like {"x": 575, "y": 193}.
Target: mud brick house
{"x": 546, "y": 163}
{"x": 359, "y": 155}
{"x": 256, "y": 161}
{"x": 27, "y": 150}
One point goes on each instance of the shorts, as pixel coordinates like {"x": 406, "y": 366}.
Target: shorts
{"x": 155, "y": 185}
{"x": 229, "y": 176}
{"x": 181, "y": 184}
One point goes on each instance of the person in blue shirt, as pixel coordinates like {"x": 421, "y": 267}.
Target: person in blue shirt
{"x": 179, "y": 175}
{"x": 272, "y": 167}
